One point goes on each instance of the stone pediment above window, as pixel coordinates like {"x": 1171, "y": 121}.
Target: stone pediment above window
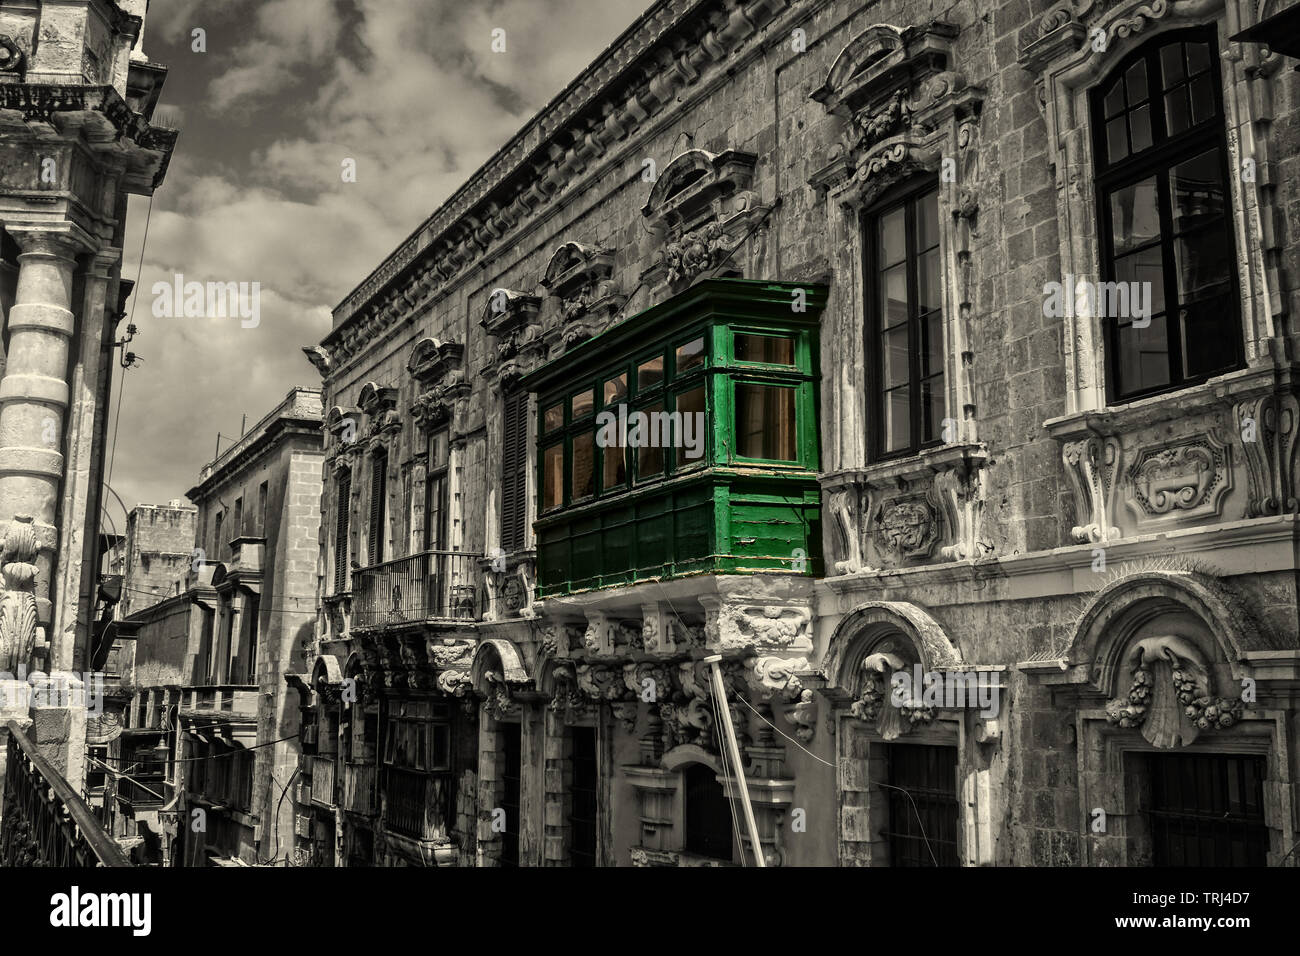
{"x": 342, "y": 423}
{"x": 900, "y": 107}
{"x": 579, "y": 277}
{"x": 701, "y": 207}
{"x": 514, "y": 320}
{"x": 379, "y": 405}
{"x": 437, "y": 368}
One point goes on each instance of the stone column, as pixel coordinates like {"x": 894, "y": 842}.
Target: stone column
{"x": 33, "y": 403}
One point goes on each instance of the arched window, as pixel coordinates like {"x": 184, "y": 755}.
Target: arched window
{"x": 1168, "y": 297}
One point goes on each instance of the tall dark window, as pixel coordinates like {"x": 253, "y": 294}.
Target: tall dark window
{"x": 238, "y": 523}
{"x": 435, "y": 494}
{"x": 1162, "y": 191}
{"x": 261, "y": 508}
{"x": 708, "y": 814}
{"x": 343, "y": 505}
{"x": 512, "y": 768}
{"x": 218, "y": 546}
{"x": 583, "y": 797}
{"x": 514, "y": 472}
{"x": 905, "y": 309}
{"x": 922, "y": 797}
{"x": 378, "y": 505}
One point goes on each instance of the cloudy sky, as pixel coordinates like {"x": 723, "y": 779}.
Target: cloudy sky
{"x": 285, "y": 92}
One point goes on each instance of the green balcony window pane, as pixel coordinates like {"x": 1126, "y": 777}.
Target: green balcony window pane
{"x": 765, "y": 422}
{"x": 583, "y": 472}
{"x": 690, "y": 356}
{"x": 765, "y": 349}
{"x": 649, "y": 374}
{"x": 582, "y": 404}
{"x": 553, "y": 418}
{"x": 615, "y": 390}
{"x": 691, "y": 440}
{"x": 552, "y": 477}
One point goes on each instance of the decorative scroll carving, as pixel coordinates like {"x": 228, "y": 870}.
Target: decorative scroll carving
{"x": 1092, "y": 465}
{"x": 736, "y": 627}
{"x": 1170, "y": 696}
{"x": 1267, "y": 428}
{"x": 1191, "y": 476}
{"x": 874, "y": 704}
{"x": 18, "y": 614}
{"x": 499, "y": 702}
{"x": 600, "y": 682}
{"x": 776, "y": 676}
{"x": 12, "y": 58}
{"x": 961, "y": 493}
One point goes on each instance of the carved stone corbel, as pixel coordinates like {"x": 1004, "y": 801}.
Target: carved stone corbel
{"x": 1267, "y": 430}
{"x": 1092, "y": 465}
{"x": 18, "y": 612}
{"x": 961, "y": 494}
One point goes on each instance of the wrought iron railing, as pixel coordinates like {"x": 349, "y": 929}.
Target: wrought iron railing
{"x": 45, "y": 821}
{"x": 419, "y": 587}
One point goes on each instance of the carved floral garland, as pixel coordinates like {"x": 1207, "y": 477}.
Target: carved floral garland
{"x": 1205, "y": 711}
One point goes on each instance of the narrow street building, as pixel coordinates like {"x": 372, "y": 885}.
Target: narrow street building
{"x": 210, "y": 747}
{"x": 961, "y": 350}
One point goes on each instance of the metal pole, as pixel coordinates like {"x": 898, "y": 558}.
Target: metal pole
{"x": 720, "y": 694}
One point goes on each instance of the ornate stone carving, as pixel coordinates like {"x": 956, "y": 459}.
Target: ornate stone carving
{"x": 771, "y": 677}
{"x": 18, "y": 615}
{"x": 905, "y": 528}
{"x": 579, "y": 277}
{"x": 730, "y": 626}
{"x": 1170, "y": 696}
{"x": 961, "y": 493}
{"x": 600, "y": 682}
{"x": 499, "y": 702}
{"x": 1190, "y": 476}
{"x": 875, "y": 703}
{"x": 1092, "y": 465}
{"x": 696, "y": 252}
{"x": 12, "y": 58}
{"x": 1267, "y": 430}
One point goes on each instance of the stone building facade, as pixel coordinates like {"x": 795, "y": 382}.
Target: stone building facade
{"x": 77, "y": 95}
{"x": 157, "y": 553}
{"x": 213, "y": 717}
{"x": 1008, "y": 285}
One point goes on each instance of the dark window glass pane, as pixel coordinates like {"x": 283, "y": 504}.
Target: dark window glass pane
{"x": 932, "y": 344}
{"x": 927, "y": 221}
{"x": 650, "y": 374}
{"x": 690, "y": 443}
{"x": 1116, "y": 139}
{"x": 1143, "y": 358}
{"x": 1171, "y": 64}
{"x": 1202, "y": 259}
{"x": 1203, "y": 106}
{"x": 1135, "y": 83}
{"x": 438, "y": 450}
{"x": 583, "y": 403}
{"x": 933, "y": 405}
{"x": 690, "y": 355}
{"x": 1209, "y": 337}
{"x": 1198, "y": 58}
{"x": 893, "y": 285}
{"x": 765, "y": 425}
{"x": 897, "y": 420}
{"x": 613, "y": 466}
{"x": 552, "y": 477}
{"x": 1135, "y": 215}
{"x": 893, "y": 238}
{"x": 709, "y": 818}
{"x": 1196, "y": 191}
{"x": 768, "y": 349}
{"x": 894, "y": 356}
{"x": 1139, "y": 124}
{"x": 650, "y": 459}
{"x": 1178, "y": 114}
{"x": 553, "y": 418}
{"x": 616, "y": 389}
{"x": 584, "y": 466}
{"x": 1147, "y": 269}
{"x": 929, "y": 288}
{"x": 1114, "y": 100}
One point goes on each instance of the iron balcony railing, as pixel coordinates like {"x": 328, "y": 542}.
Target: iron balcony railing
{"x": 45, "y": 821}
{"x": 426, "y": 586}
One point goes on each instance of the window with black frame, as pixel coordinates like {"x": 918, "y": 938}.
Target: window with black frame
{"x": 905, "y": 320}
{"x": 1165, "y": 235}
{"x": 435, "y": 494}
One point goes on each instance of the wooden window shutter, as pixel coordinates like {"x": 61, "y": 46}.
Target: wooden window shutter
{"x": 378, "y": 498}
{"x": 343, "y": 503}
{"x": 514, "y": 472}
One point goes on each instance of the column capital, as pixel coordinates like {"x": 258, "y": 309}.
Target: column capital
{"x": 63, "y": 239}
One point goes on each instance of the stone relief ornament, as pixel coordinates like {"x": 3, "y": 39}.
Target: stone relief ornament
{"x": 1267, "y": 428}
{"x": 771, "y": 677}
{"x": 905, "y": 528}
{"x": 1169, "y": 696}
{"x": 18, "y": 604}
{"x": 695, "y": 252}
{"x": 1189, "y": 477}
{"x": 1092, "y": 465}
{"x": 874, "y": 704}
{"x": 600, "y": 682}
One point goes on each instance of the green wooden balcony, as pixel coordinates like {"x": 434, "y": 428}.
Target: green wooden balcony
{"x": 683, "y": 441}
